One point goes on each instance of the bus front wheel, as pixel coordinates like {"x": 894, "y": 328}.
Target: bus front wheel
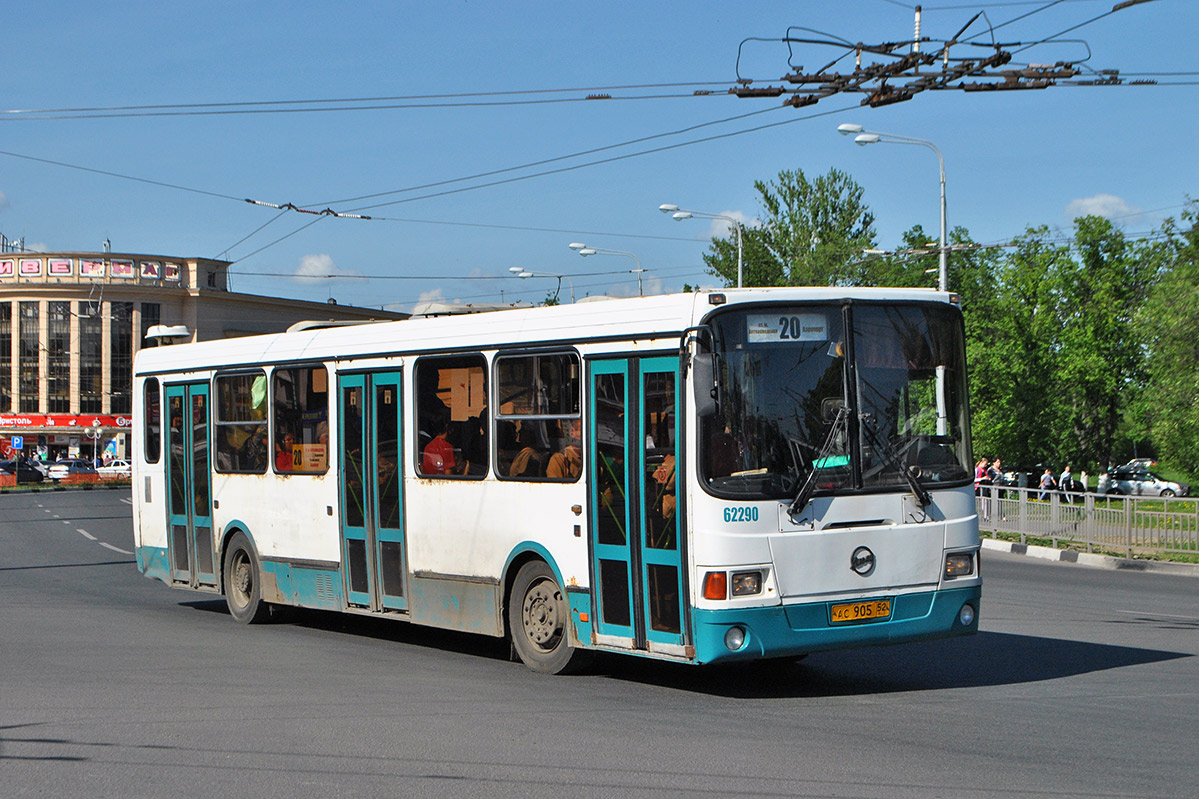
{"x": 243, "y": 594}
{"x": 538, "y": 615}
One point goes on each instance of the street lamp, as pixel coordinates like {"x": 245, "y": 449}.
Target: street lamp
{"x": 864, "y": 137}
{"x": 521, "y": 272}
{"x": 584, "y": 250}
{"x": 679, "y": 214}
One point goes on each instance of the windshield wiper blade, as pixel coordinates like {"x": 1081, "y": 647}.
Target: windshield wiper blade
{"x": 892, "y": 457}
{"x": 809, "y": 486}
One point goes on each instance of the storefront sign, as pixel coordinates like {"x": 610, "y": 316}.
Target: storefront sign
{"x": 33, "y": 420}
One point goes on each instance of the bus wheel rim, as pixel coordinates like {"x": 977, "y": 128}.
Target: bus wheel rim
{"x": 542, "y": 614}
{"x": 242, "y": 582}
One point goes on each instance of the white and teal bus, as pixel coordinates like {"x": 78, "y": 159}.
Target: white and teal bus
{"x": 707, "y": 477}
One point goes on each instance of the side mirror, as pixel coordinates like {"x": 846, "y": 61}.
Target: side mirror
{"x": 703, "y": 379}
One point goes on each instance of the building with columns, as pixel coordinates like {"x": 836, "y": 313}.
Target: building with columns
{"x": 71, "y": 322}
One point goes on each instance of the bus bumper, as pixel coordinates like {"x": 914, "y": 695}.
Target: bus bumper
{"x": 794, "y": 630}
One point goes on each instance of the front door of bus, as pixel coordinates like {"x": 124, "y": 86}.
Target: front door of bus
{"x": 636, "y": 540}
{"x": 189, "y": 506}
{"x": 372, "y": 524}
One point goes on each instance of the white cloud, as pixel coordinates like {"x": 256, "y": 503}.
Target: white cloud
{"x": 3, "y": 201}
{"x": 721, "y": 228}
{"x": 1108, "y": 206}
{"x": 436, "y": 295}
{"x": 318, "y": 267}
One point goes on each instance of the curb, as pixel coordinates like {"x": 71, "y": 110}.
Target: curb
{"x": 1091, "y": 560}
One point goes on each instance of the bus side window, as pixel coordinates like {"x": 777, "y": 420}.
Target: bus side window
{"x": 240, "y": 430}
{"x": 300, "y": 397}
{"x": 451, "y": 416}
{"x": 153, "y": 421}
{"x": 538, "y": 428}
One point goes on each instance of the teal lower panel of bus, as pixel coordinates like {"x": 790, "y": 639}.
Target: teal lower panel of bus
{"x": 153, "y": 562}
{"x": 304, "y": 585}
{"x": 793, "y": 630}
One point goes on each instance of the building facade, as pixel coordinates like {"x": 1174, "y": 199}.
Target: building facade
{"x": 71, "y": 322}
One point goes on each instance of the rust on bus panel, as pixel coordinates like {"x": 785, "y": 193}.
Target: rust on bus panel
{"x": 269, "y": 588}
{"x": 457, "y": 603}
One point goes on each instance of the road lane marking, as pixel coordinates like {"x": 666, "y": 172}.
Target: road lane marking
{"x": 115, "y": 549}
{"x": 127, "y": 501}
{"x": 85, "y": 534}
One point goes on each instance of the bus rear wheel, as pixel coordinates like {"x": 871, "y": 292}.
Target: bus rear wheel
{"x": 243, "y": 594}
{"x": 538, "y": 615}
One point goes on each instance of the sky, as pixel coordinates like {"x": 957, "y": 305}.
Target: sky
{"x": 173, "y": 181}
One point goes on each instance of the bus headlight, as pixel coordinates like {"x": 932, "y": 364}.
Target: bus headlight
{"x": 959, "y": 564}
{"x": 734, "y": 639}
{"x": 747, "y": 583}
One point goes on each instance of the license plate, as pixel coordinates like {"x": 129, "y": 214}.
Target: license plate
{"x": 852, "y": 612}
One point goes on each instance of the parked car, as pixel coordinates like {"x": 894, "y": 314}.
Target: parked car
{"x": 24, "y": 472}
{"x": 115, "y": 468}
{"x": 1020, "y": 476}
{"x": 1139, "y": 482}
{"x": 61, "y": 469}
{"x": 1139, "y": 464}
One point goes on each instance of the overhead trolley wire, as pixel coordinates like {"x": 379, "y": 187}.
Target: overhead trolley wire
{"x": 383, "y": 98}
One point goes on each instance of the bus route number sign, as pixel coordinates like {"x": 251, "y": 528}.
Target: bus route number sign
{"x": 780, "y": 327}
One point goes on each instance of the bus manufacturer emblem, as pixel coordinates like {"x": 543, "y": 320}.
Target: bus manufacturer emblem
{"x": 862, "y": 561}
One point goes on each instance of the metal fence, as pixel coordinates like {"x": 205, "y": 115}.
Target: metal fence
{"x": 1111, "y": 524}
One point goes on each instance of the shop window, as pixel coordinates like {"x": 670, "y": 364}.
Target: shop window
{"x": 241, "y": 426}
{"x": 301, "y": 401}
{"x": 538, "y": 430}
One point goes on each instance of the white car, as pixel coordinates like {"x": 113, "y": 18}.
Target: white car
{"x": 116, "y": 468}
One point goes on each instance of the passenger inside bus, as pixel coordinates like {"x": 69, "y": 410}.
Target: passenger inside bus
{"x": 567, "y": 463}
{"x": 438, "y": 457}
{"x": 527, "y": 462}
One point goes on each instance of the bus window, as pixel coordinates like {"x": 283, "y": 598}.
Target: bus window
{"x": 538, "y": 432}
{"x": 451, "y": 416}
{"x": 153, "y": 421}
{"x": 301, "y": 400}
{"x": 240, "y": 429}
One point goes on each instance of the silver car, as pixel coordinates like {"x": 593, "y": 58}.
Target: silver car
{"x": 1139, "y": 483}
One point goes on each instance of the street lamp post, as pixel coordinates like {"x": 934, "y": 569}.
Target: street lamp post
{"x": 679, "y": 214}
{"x": 521, "y": 272}
{"x": 864, "y": 137}
{"x": 584, "y": 250}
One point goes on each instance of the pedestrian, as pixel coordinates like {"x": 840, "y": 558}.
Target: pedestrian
{"x": 980, "y": 474}
{"x": 1066, "y": 484}
{"x": 1047, "y": 484}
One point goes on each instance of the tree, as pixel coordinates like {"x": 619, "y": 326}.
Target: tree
{"x": 1011, "y": 340}
{"x": 1170, "y": 320}
{"x": 1100, "y": 358}
{"x": 812, "y": 234}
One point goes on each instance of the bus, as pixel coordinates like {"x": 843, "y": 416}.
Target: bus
{"x": 709, "y": 477}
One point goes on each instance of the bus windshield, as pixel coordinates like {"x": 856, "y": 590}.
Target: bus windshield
{"x": 866, "y": 396}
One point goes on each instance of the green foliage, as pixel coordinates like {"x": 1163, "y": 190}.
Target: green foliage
{"x": 1170, "y": 321}
{"x": 811, "y": 234}
{"x": 1083, "y": 352}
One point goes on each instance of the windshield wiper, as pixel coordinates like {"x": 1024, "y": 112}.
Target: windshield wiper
{"x": 892, "y": 458}
{"x": 805, "y": 491}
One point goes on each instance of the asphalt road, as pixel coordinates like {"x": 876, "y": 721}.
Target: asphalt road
{"x": 1083, "y": 682}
